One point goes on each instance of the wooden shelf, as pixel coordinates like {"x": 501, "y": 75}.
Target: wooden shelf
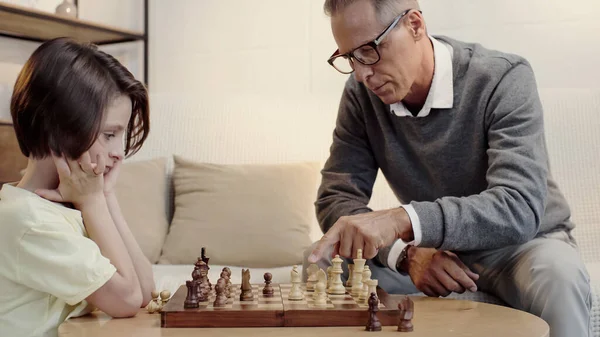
{"x": 34, "y": 25}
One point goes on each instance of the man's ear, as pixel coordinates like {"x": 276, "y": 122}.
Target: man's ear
{"x": 416, "y": 24}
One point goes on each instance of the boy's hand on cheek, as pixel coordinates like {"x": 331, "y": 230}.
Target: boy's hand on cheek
{"x": 110, "y": 179}
{"x": 81, "y": 182}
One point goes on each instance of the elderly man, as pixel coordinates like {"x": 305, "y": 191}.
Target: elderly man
{"x": 457, "y": 130}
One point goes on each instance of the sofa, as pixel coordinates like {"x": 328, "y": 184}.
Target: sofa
{"x": 261, "y": 216}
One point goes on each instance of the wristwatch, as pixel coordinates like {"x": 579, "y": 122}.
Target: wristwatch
{"x": 401, "y": 258}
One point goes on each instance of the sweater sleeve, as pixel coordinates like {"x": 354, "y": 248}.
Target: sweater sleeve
{"x": 510, "y": 209}
{"x": 350, "y": 171}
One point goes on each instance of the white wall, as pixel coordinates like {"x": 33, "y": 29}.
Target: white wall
{"x": 121, "y": 14}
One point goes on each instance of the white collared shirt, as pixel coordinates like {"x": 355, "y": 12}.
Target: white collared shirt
{"x": 441, "y": 96}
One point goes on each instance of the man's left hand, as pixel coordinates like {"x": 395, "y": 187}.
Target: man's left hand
{"x": 368, "y": 231}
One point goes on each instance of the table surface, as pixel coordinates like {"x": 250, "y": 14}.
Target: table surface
{"x": 432, "y": 317}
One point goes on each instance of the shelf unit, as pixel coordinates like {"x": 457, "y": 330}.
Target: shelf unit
{"x": 33, "y": 25}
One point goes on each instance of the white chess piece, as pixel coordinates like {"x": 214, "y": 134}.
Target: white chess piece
{"x": 312, "y": 277}
{"x": 364, "y": 295}
{"x": 359, "y": 266}
{"x": 296, "y": 293}
{"x": 372, "y": 286}
{"x": 350, "y": 273}
{"x": 329, "y": 277}
{"x": 336, "y": 286}
{"x": 320, "y": 295}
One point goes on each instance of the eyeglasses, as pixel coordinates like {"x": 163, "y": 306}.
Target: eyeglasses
{"x": 367, "y": 54}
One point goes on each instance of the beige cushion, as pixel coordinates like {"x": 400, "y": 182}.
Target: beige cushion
{"x": 245, "y": 215}
{"x": 142, "y": 194}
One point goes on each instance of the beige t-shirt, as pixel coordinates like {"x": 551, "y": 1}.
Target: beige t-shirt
{"x": 48, "y": 265}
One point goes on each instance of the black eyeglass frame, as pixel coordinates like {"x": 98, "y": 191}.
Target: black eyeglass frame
{"x": 373, "y": 44}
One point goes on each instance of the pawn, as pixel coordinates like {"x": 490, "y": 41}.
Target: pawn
{"x": 221, "y": 298}
{"x": 406, "y": 307}
{"x": 373, "y": 324}
{"x": 225, "y": 277}
{"x": 165, "y": 295}
{"x": 153, "y": 306}
{"x": 229, "y": 284}
{"x": 268, "y": 290}
{"x": 191, "y": 300}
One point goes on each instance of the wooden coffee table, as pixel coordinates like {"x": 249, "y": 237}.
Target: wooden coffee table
{"x": 433, "y": 317}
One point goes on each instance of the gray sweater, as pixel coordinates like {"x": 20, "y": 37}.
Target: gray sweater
{"x": 477, "y": 174}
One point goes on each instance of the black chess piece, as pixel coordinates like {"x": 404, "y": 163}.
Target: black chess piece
{"x": 373, "y": 324}
{"x": 246, "y": 288}
{"x": 221, "y": 298}
{"x": 268, "y": 290}
{"x": 191, "y": 300}
{"x": 203, "y": 256}
{"x": 406, "y": 307}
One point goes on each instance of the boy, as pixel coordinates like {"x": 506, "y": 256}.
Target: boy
{"x": 65, "y": 246}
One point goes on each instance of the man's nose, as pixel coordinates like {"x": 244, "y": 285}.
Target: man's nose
{"x": 362, "y": 72}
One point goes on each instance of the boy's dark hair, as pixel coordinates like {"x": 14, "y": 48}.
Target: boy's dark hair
{"x": 61, "y": 96}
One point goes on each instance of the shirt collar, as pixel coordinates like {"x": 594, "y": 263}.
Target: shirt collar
{"x": 441, "y": 93}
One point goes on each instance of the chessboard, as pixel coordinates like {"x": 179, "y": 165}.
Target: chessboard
{"x": 276, "y": 311}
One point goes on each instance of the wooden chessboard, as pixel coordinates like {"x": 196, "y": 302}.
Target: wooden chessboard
{"x": 277, "y": 311}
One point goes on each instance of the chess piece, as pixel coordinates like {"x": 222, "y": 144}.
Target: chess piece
{"x": 191, "y": 300}
{"x": 406, "y": 307}
{"x": 296, "y": 293}
{"x": 320, "y": 295}
{"x": 336, "y": 285}
{"x": 226, "y": 286}
{"x": 359, "y": 266}
{"x": 364, "y": 295}
{"x": 203, "y": 283}
{"x": 268, "y": 290}
{"x": 312, "y": 277}
{"x": 372, "y": 286}
{"x": 221, "y": 298}
{"x": 165, "y": 295}
{"x": 200, "y": 264}
{"x": 350, "y": 273}
{"x": 228, "y": 271}
{"x": 154, "y": 305}
{"x": 203, "y": 256}
{"x": 329, "y": 278}
{"x": 246, "y": 294}
{"x": 373, "y": 323}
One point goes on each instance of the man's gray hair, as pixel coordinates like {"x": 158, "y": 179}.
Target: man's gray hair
{"x": 386, "y": 10}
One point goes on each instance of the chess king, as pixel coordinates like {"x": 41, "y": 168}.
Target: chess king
{"x": 457, "y": 130}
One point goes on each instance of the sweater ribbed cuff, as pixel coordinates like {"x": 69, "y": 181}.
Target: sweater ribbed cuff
{"x": 432, "y": 223}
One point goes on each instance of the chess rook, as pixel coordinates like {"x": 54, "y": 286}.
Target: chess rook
{"x": 191, "y": 301}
